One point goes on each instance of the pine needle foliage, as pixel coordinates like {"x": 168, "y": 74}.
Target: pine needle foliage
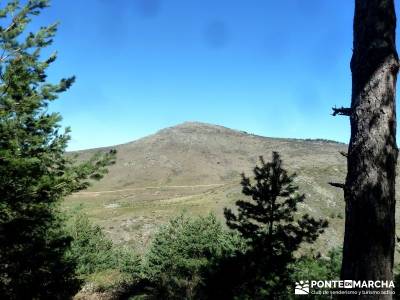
{"x": 267, "y": 220}
{"x": 35, "y": 173}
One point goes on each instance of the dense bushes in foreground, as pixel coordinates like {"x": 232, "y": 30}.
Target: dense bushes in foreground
{"x": 99, "y": 261}
{"x": 189, "y": 258}
{"x": 197, "y": 258}
{"x": 192, "y": 258}
{"x": 182, "y": 251}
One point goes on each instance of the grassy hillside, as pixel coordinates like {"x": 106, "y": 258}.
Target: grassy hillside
{"x": 195, "y": 167}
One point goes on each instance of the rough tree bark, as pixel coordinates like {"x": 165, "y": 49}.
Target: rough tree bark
{"x": 370, "y": 184}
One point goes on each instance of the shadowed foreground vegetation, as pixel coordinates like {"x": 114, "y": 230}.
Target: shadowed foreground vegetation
{"x": 198, "y": 258}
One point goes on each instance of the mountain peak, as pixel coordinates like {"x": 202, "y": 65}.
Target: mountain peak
{"x": 198, "y": 127}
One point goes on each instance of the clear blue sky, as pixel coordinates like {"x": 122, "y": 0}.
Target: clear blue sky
{"x": 272, "y": 68}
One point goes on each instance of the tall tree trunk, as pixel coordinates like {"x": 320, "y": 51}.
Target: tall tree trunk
{"x": 370, "y": 184}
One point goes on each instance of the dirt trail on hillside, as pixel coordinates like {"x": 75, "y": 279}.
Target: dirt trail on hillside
{"x": 154, "y": 187}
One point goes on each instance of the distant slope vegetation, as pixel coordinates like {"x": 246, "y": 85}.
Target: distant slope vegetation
{"x": 195, "y": 167}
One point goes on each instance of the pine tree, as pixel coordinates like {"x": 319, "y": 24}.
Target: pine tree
{"x": 267, "y": 221}
{"x": 35, "y": 173}
{"x": 369, "y": 190}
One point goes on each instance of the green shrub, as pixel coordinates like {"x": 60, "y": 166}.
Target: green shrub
{"x": 316, "y": 267}
{"x": 180, "y": 252}
{"x": 97, "y": 257}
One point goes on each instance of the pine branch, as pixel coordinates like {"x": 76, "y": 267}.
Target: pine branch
{"x": 343, "y": 153}
{"x": 338, "y": 185}
{"x": 11, "y": 26}
{"x": 341, "y": 111}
